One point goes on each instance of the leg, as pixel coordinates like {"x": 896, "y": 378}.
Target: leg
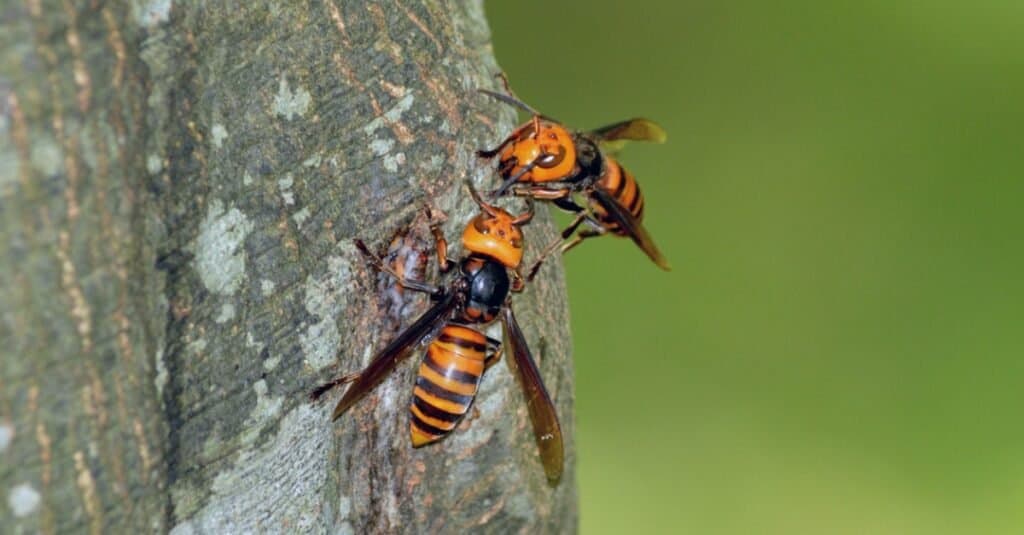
{"x": 555, "y": 244}
{"x": 322, "y": 389}
{"x": 490, "y": 153}
{"x": 517, "y": 281}
{"x": 544, "y": 194}
{"x": 567, "y": 203}
{"x": 418, "y": 286}
{"x": 526, "y": 216}
{"x": 513, "y": 179}
{"x": 582, "y": 235}
{"x": 443, "y": 264}
{"x": 493, "y": 353}
{"x": 504, "y": 82}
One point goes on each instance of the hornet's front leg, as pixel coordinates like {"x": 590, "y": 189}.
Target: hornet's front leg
{"x": 441, "y": 244}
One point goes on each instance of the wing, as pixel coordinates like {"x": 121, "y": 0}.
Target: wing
{"x": 636, "y": 129}
{"x": 542, "y": 411}
{"x": 394, "y": 353}
{"x": 631, "y": 226}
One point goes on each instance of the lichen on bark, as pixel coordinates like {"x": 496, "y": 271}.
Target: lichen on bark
{"x": 180, "y": 183}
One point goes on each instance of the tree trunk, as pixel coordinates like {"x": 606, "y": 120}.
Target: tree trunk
{"x": 180, "y": 183}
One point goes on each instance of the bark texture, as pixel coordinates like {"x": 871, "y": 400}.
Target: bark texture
{"x": 179, "y": 186}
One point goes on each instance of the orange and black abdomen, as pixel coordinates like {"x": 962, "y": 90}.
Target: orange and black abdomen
{"x": 621, "y": 185}
{"x": 447, "y": 383}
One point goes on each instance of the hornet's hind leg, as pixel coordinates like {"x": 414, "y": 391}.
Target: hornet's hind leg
{"x": 580, "y": 236}
{"x": 582, "y": 216}
{"x": 493, "y": 353}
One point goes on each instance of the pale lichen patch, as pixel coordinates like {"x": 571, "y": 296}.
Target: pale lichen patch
{"x": 6, "y": 436}
{"x": 218, "y": 135}
{"x": 197, "y": 346}
{"x": 45, "y": 155}
{"x": 391, "y": 116}
{"x": 220, "y": 257}
{"x": 267, "y": 287}
{"x": 402, "y": 106}
{"x": 301, "y": 216}
{"x": 312, "y": 161}
{"x": 250, "y": 342}
{"x": 151, "y": 12}
{"x": 344, "y": 507}
{"x": 381, "y": 147}
{"x": 247, "y": 179}
{"x": 289, "y": 104}
{"x": 267, "y": 409}
{"x": 227, "y": 313}
{"x": 320, "y": 341}
{"x": 285, "y": 184}
{"x": 23, "y": 500}
{"x": 392, "y": 161}
{"x": 213, "y": 446}
{"x": 161, "y": 373}
{"x": 154, "y": 164}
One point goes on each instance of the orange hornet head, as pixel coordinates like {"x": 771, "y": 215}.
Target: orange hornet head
{"x": 545, "y": 146}
{"x": 495, "y": 233}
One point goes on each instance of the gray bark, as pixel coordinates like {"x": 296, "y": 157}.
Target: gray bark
{"x": 180, "y": 183}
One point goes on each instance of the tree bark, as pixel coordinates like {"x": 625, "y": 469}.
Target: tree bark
{"x": 180, "y": 183}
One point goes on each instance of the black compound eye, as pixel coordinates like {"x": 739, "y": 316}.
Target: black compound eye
{"x": 551, "y": 160}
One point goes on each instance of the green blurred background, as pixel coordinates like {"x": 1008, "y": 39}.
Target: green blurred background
{"x": 838, "y": 348}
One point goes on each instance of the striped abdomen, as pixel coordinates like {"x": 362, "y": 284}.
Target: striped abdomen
{"x": 448, "y": 379}
{"x": 621, "y": 185}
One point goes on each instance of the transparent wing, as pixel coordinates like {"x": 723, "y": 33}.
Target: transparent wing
{"x": 546, "y": 429}
{"x": 633, "y": 228}
{"x": 395, "y": 352}
{"x": 636, "y": 129}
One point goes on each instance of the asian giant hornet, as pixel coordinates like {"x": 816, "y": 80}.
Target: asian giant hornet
{"x": 458, "y": 354}
{"x": 542, "y": 159}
